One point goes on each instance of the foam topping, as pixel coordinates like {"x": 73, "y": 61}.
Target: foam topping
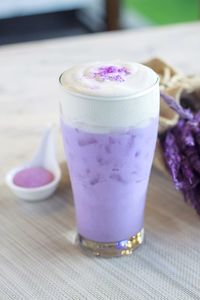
{"x": 108, "y": 79}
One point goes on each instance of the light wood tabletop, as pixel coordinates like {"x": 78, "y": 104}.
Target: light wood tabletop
{"x": 38, "y": 257}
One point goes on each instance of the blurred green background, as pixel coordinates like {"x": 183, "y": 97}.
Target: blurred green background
{"x": 166, "y": 11}
{"x": 28, "y": 20}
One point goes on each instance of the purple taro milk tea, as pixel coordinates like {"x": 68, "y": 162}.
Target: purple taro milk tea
{"x": 109, "y": 121}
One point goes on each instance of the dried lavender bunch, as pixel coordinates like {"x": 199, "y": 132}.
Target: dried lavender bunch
{"x": 186, "y": 143}
{"x": 179, "y": 166}
{"x": 181, "y": 148}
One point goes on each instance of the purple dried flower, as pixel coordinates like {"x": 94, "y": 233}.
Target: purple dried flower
{"x": 191, "y": 178}
{"x": 192, "y": 196}
{"x": 186, "y": 143}
{"x": 197, "y": 139}
{"x": 194, "y": 125}
{"x": 183, "y": 113}
{"x": 184, "y": 134}
{"x": 178, "y": 164}
{"x": 172, "y": 156}
{"x": 189, "y": 154}
{"x": 181, "y": 147}
{"x": 193, "y": 157}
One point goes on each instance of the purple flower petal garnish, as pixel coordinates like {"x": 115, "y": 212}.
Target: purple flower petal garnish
{"x": 112, "y": 73}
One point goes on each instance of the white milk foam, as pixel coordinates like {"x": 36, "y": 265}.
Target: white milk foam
{"x": 103, "y": 96}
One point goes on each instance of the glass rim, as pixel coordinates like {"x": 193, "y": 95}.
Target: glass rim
{"x": 108, "y": 98}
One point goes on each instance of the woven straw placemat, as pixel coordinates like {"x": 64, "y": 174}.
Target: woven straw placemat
{"x": 39, "y": 258}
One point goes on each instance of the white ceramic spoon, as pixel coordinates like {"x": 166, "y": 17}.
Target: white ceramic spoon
{"x": 44, "y": 157}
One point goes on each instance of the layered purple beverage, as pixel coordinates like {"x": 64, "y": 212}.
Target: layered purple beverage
{"x": 109, "y": 131}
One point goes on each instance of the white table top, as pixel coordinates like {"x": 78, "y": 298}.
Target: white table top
{"x": 38, "y": 259}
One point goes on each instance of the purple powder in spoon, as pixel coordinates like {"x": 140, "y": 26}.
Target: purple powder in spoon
{"x": 33, "y": 177}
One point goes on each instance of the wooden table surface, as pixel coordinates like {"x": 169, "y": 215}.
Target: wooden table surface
{"x": 38, "y": 258}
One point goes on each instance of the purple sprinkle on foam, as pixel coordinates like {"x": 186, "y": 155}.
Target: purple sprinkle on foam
{"x": 111, "y": 73}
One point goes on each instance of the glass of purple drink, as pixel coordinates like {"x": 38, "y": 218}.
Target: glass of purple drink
{"x": 109, "y": 121}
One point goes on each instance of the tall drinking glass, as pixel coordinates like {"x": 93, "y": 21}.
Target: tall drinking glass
{"x": 109, "y": 121}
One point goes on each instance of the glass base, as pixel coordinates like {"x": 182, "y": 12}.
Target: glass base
{"x": 125, "y": 247}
